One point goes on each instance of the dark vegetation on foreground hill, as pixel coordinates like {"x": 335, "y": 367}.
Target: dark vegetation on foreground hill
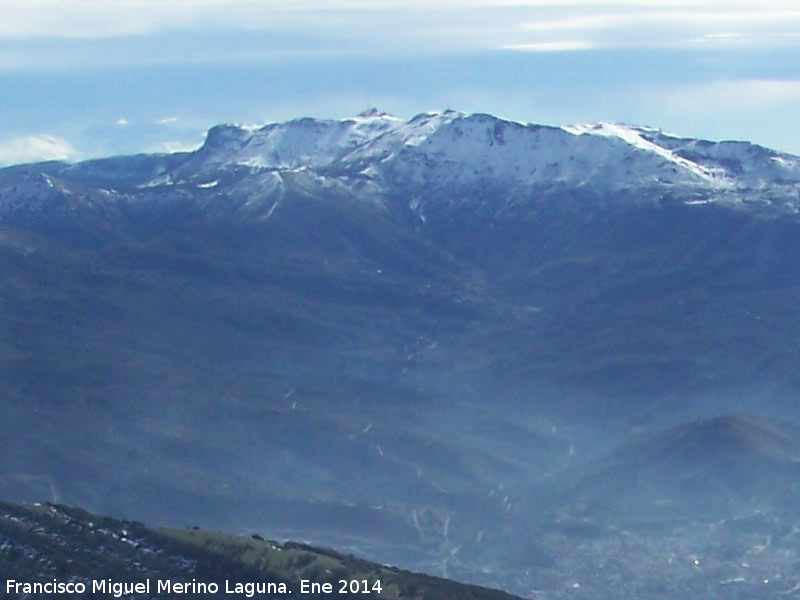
{"x": 42, "y": 542}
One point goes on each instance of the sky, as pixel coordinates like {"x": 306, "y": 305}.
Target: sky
{"x": 85, "y": 78}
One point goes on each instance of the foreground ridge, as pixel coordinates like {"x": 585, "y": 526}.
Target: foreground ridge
{"x": 55, "y": 544}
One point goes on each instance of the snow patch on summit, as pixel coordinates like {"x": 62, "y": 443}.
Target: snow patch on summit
{"x": 297, "y": 144}
{"x": 634, "y": 137}
{"x": 750, "y": 165}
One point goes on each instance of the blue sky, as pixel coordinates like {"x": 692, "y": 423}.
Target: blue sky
{"x": 83, "y": 78}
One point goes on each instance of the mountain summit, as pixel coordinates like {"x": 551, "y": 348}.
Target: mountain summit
{"x": 466, "y": 157}
{"x": 715, "y": 468}
{"x": 460, "y": 148}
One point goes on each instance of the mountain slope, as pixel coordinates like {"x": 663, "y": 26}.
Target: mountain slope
{"x": 394, "y": 335}
{"x": 712, "y": 469}
{"x": 52, "y": 543}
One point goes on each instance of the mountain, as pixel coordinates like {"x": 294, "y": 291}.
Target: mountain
{"x": 705, "y": 509}
{"x": 60, "y": 546}
{"x": 715, "y": 468}
{"x": 384, "y": 159}
{"x": 403, "y": 339}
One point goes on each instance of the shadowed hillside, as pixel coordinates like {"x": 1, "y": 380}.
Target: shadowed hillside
{"x": 46, "y": 542}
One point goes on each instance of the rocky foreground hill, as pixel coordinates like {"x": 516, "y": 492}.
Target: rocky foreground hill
{"x": 81, "y": 555}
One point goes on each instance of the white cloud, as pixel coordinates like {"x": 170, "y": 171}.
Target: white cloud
{"x": 122, "y": 122}
{"x": 699, "y": 18}
{"x": 557, "y": 46}
{"x": 33, "y": 148}
{"x": 724, "y": 27}
{"x": 416, "y": 23}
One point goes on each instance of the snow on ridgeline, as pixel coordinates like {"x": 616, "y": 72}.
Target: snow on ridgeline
{"x": 751, "y": 165}
{"x": 633, "y": 137}
{"x": 454, "y": 149}
{"x": 305, "y": 142}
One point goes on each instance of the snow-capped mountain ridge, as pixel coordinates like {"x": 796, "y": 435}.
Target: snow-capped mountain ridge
{"x": 302, "y": 142}
{"x": 452, "y": 148}
{"x": 437, "y": 161}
